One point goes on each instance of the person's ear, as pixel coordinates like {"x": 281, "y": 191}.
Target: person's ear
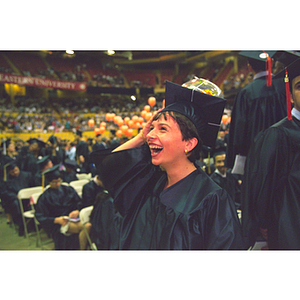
{"x": 191, "y": 144}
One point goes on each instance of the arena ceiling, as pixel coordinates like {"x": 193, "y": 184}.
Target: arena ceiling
{"x": 136, "y": 59}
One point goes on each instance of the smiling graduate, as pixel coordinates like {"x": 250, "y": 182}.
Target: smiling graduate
{"x": 166, "y": 201}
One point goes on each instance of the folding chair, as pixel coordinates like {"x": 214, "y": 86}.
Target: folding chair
{"x": 78, "y": 189}
{"x": 33, "y": 201}
{"x": 84, "y": 176}
{"x": 80, "y": 182}
{"x": 26, "y": 194}
{"x": 84, "y": 216}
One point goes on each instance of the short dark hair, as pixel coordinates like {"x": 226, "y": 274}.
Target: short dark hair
{"x": 188, "y": 131}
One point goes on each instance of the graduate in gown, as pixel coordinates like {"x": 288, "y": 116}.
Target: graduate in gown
{"x": 56, "y": 153}
{"x": 35, "y": 152}
{"x": 225, "y": 179}
{"x": 69, "y": 174}
{"x": 90, "y": 191}
{"x": 14, "y": 181}
{"x": 43, "y": 163}
{"x": 270, "y": 198}
{"x": 54, "y": 208}
{"x": 166, "y": 201}
{"x": 256, "y": 107}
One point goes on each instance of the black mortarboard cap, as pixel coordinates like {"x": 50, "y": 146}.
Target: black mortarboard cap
{"x": 52, "y": 173}
{"x": 78, "y": 132}
{"x": 288, "y": 74}
{"x": 52, "y": 139}
{"x": 203, "y": 110}
{"x": 287, "y": 57}
{"x": 8, "y": 167}
{"x": 11, "y": 165}
{"x": 293, "y": 70}
{"x": 70, "y": 163}
{"x": 258, "y": 55}
{"x": 35, "y": 140}
{"x": 43, "y": 161}
{"x": 260, "y": 60}
{"x": 218, "y": 151}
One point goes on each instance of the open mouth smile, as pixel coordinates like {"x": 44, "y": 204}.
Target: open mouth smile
{"x": 155, "y": 150}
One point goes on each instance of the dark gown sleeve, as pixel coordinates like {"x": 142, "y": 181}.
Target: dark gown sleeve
{"x": 220, "y": 223}
{"x": 124, "y": 170}
{"x": 44, "y": 215}
{"x": 106, "y": 224}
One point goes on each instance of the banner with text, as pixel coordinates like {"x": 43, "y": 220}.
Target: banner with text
{"x": 42, "y": 82}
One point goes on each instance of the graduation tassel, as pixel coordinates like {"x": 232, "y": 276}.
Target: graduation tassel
{"x": 269, "y": 69}
{"x": 209, "y": 169}
{"x": 288, "y": 95}
{"x": 43, "y": 182}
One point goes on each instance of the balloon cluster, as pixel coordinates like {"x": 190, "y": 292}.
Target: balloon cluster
{"x": 127, "y": 124}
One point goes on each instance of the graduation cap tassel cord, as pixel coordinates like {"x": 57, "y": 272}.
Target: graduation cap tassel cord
{"x": 269, "y": 69}
{"x": 288, "y": 95}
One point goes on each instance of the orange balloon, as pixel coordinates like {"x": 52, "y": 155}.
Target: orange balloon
{"x": 101, "y": 130}
{"x": 148, "y": 116}
{"x": 152, "y": 101}
{"x": 130, "y": 123}
{"x": 120, "y": 122}
{"x": 124, "y": 128}
{"x": 147, "y": 108}
{"x": 119, "y": 133}
{"x": 137, "y": 125}
{"x": 224, "y": 119}
{"x": 144, "y": 124}
{"x": 102, "y": 124}
{"x": 143, "y": 113}
{"x": 97, "y": 131}
{"x": 129, "y": 132}
{"x": 126, "y": 120}
{"x": 91, "y": 122}
{"x": 141, "y": 120}
{"x": 135, "y": 118}
{"x": 108, "y": 117}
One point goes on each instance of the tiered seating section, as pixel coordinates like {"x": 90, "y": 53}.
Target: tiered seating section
{"x": 97, "y": 74}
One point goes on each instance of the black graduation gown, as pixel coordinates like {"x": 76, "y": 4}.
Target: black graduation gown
{"x": 106, "y": 223}
{"x": 9, "y": 193}
{"x": 230, "y": 184}
{"x": 55, "y": 203}
{"x": 270, "y": 195}
{"x": 195, "y": 213}
{"x": 30, "y": 164}
{"x": 256, "y": 107}
{"x": 68, "y": 176}
{"x": 89, "y": 193}
{"x": 59, "y": 157}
